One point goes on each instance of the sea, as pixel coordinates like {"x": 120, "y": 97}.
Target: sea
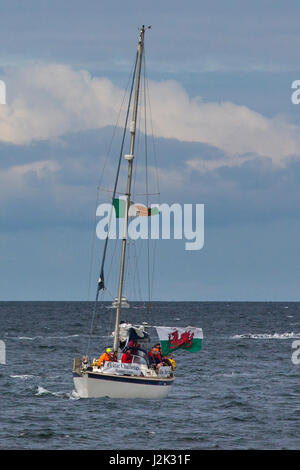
{"x": 241, "y": 391}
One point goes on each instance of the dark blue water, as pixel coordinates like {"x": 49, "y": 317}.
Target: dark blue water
{"x": 240, "y": 392}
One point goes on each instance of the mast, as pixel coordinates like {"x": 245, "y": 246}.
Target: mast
{"x": 129, "y": 158}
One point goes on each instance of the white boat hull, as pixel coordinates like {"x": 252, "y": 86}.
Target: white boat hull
{"x": 97, "y": 385}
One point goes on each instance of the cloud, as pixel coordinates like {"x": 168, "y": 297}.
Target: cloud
{"x": 58, "y": 186}
{"x": 50, "y": 100}
{"x": 236, "y": 130}
{"x": 16, "y": 179}
{"x": 46, "y": 101}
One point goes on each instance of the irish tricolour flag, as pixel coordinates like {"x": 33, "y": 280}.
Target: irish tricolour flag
{"x": 135, "y": 209}
{"x": 189, "y": 338}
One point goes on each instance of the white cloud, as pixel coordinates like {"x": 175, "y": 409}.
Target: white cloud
{"x": 49, "y": 100}
{"x": 46, "y": 101}
{"x": 234, "y": 129}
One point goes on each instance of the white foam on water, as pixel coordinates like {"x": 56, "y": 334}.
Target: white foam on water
{"x": 29, "y": 338}
{"x": 74, "y": 395}
{"x": 44, "y": 391}
{"x": 267, "y": 336}
{"x": 61, "y": 337}
{"x": 33, "y": 338}
{"x": 231, "y": 374}
{"x": 23, "y": 376}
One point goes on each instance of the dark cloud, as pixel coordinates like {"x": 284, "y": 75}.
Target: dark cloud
{"x": 47, "y": 222}
{"x": 65, "y": 194}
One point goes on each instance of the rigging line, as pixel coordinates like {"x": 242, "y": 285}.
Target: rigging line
{"x": 128, "y": 188}
{"x": 115, "y": 250}
{"x": 130, "y": 79}
{"x": 116, "y": 180}
{"x": 92, "y": 249}
{"x": 147, "y": 194}
{"x": 110, "y": 191}
{"x": 157, "y": 178}
{"x": 92, "y": 328}
{"x": 116, "y": 253}
{"x": 127, "y": 278}
{"x": 136, "y": 273}
{"x": 102, "y": 175}
{"x": 146, "y": 175}
{"x": 134, "y": 282}
{"x": 136, "y": 160}
{"x": 124, "y": 194}
{"x": 135, "y": 177}
{"x": 110, "y": 323}
{"x": 153, "y": 140}
{"x": 127, "y": 274}
{"x": 135, "y": 279}
{"x": 101, "y": 302}
{"x": 110, "y": 320}
{"x": 153, "y": 265}
{"x": 131, "y": 265}
{"x": 115, "y": 188}
{"x": 129, "y": 270}
{"x": 133, "y": 289}
{"x": 110, "y": 293}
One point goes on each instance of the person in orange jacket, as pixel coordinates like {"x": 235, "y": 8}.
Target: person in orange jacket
{"x": 107, "y": 356}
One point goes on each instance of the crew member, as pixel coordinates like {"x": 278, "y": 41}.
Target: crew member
{"x": 127, "y": 357}
{"x": 169, "y": 361}
{"x": 106, "y": 356}
{"x": 155, "y": 355}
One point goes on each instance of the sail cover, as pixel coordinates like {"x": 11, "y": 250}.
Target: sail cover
{"x": 188, "y": 338}
{"x": 136, "y": 334}
{"x": 129, "y": 332}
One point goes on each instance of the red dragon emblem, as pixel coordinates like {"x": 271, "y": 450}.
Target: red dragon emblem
{"x": 185, "y": 340}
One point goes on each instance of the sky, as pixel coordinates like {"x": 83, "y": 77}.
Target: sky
{"x": 225, "y": 129}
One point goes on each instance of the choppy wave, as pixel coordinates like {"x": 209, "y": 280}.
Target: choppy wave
{"x": 28, "y": 337}
{"x": 23, "y": 376}
{"x": 43, "y": 391}
{"x": 230, "y": 386}
{"x": 229, "y": 374}
{"x": 267, "y": 336}
{"x": 74, "y": 395}
{"x": 33, "y": 338}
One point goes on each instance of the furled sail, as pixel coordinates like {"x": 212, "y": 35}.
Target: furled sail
{"x": 129, "y": 332}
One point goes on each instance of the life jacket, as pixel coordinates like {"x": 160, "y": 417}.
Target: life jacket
{"x": 172, "y": 362}
{"x": 103, "y": 358}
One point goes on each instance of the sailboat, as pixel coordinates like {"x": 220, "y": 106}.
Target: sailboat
{"x": 143, "y": 376}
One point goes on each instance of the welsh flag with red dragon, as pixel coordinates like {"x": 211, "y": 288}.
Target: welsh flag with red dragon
{"x": 188, "y": 338}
